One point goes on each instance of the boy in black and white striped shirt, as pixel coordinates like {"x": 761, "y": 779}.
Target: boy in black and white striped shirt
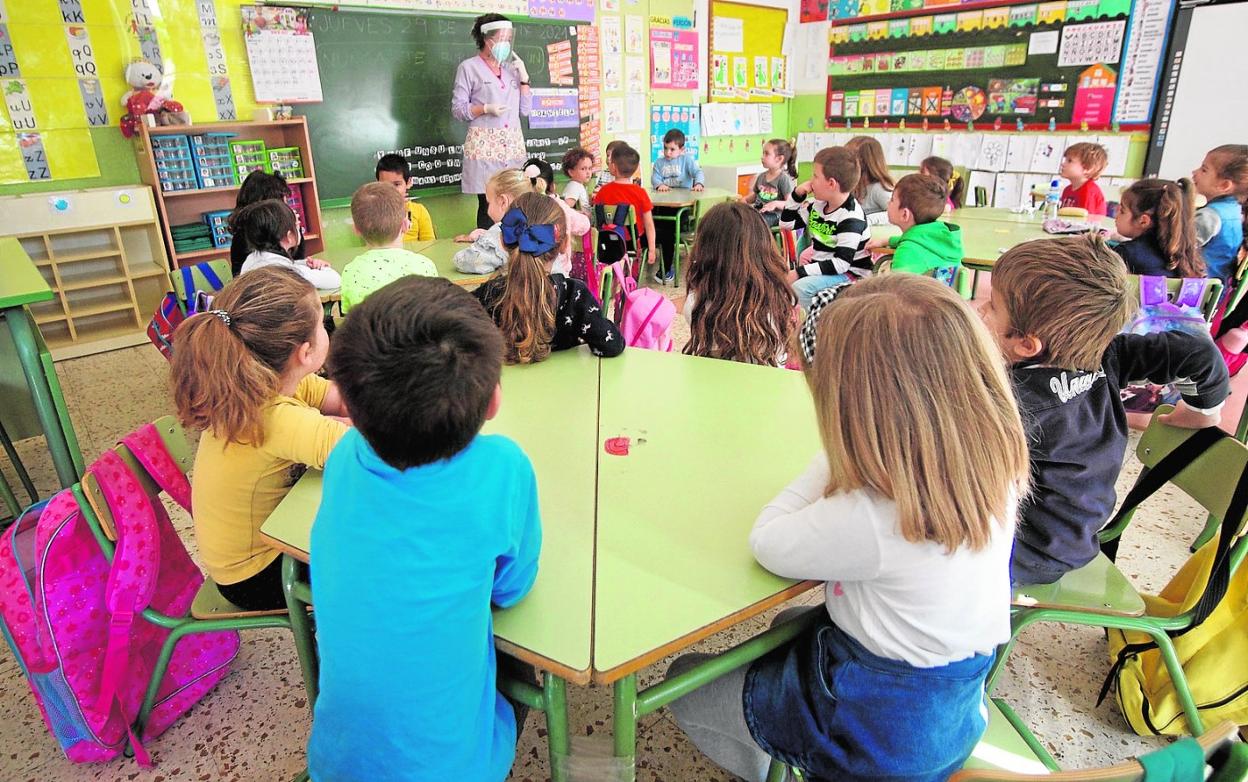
{"x": 826, "y": 209}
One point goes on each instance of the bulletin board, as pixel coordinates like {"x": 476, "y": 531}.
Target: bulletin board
{"x": 1036, "y": 66}
{"x": 62, "y": 74}
{"x": 747, "y": 62}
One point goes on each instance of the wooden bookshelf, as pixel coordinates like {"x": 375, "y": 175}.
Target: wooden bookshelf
{"x": 178, "y": 207}
{"x": 102, "y": 251}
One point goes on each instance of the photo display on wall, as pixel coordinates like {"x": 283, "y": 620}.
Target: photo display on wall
{"x": 1035, "y": 65}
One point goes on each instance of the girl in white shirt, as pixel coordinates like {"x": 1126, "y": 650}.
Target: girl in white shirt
{"x": 908, "y": 515}
{"x": 271, "y": 231}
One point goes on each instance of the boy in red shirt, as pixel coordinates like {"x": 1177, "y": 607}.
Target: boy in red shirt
{"x": 1082, "y": 163}
{"x": 623, "y": 163}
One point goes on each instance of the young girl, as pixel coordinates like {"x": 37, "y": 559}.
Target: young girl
{"x": 542, "y": 178}
{"x": 271, "y": 231}
{"x": 772, "y": 187}
{"x": 536, "y": 309}
{"x": 258, "y": 186}
{"x": 1157, "y": 217}
{"x": 740, "y": 305}
{"x": 244, "y": 373}
{"x": 578, "y": 165}
{"x": 875, "y": 183}
{"x": 943, "y": 170}
{"x": 908, "y": 514}
{"x": 1220, "y": 224}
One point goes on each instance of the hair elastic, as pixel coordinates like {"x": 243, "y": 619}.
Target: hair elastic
{"x": 222, "y": 315}
{"x": 532, "y": 171}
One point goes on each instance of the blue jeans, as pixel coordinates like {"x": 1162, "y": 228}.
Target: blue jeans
{"x": 807, "y": 287}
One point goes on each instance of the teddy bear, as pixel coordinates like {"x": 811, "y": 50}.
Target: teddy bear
{"x": 147, "y": 98}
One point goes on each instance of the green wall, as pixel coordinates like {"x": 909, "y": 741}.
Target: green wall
{"x": 118, "y": 166}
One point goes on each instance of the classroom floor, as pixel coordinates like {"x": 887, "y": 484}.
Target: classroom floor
{"x": 254, "y": 726}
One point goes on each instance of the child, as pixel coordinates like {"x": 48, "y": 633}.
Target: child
{"x": 908, "y": 515}
{"x": 578, "y": 165}
{"x": 1223, "y": 180}
{"x": 1157, "y": 217}
{"x": 271, "y": 231}
{"x": 380, "y": 215}
{"x": 538, "y": 310}
{"x": 395, "y": 171}
{"x": 926, "y": 243}
{"x": 542, "y": 178}
{"x": 623, "y": 164}
{"x": 944, "y": 171}
{"x": 834, "y": 220}
{"x": 875, "y": 185}
{"x": 258, "y": 186}
{"x": 486, "y": 253}
{"x": 772, "y": 187}
{"x": 1057, "y": 307}
{"x": 424, "y": 523}
{"x": 1082, "y": 163}
{"x": 605, "y": 177}
{"x": 740, "y": 307}
{"x": 245, "y": 374}
{"x": 672, "y": 169}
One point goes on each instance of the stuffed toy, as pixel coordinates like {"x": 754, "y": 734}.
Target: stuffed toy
{"x": 148, "y": 97}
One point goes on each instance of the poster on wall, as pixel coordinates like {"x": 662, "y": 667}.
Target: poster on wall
{"x": 1141, "y": 63}
{"x": 554, "y": 108}
{"x": 282, "y": 53}
{"x": 686, "y": 119}
{"x": 673, "y": 59}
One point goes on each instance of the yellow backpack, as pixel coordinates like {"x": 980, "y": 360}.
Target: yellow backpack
{"x": 1213, "y": 650}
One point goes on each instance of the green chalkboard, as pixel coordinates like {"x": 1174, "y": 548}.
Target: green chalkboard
{"x": 387, "y": 79}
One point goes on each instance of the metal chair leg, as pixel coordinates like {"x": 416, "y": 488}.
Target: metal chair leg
{"x": 18, "y": 467}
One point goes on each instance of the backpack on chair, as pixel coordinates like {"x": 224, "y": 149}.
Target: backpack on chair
{"x": 74, "y": 618}
{"x": 190, "y": 299}
{"x": 613, "y": 236}
{"x": 645, "y": 316}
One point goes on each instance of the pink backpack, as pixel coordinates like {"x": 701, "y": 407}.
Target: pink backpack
{"x": 73, "y": 619}
{"x": 645, "y": 316}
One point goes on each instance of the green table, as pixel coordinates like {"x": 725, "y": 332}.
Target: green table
{"x": 666, "y": 525}
{"x": 440, "y": 251}
{"x": 21, "y": 284}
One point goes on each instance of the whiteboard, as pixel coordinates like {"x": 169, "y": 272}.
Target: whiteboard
{"x": 1210, "y": 102}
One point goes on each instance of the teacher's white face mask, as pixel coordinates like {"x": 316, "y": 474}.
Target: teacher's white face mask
{"x": 502, "y": 49}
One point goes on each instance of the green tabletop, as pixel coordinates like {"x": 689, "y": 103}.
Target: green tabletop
{"x": 20, "y": 281}
{"x": 680, "y": 196}
{"x": 711, "y": 443}
{"x": 440, "y": 251}
{"x": 553, "y": 622}
{"x": 983, "y": 241}
{"x": 993, "y": 214}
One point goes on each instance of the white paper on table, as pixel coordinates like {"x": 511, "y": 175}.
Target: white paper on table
{"x": 966, "y": 148}
{"x": 1047, "y": 157}
{"x": 942, "y": 145}
{"x": 1009, "y": 192}
{"x": 920, "y": 148}
{"x": 1116, "y": 147}
{"x": 635, "y": 112}
{"x": 1018, "y": 153}
{"x": 992, "y": 153}
{"x": 1044, "y": 42}
{"x": 613, "y": 115}
{"x": 728, "y": 34}
{"x": 764, "y": 119}
{"x": 984, "y": 179}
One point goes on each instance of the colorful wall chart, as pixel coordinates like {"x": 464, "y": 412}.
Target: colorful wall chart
{"x": 686, "y": 119}
{"x": 673, "y": 58}
{"x": 747, "y": 61}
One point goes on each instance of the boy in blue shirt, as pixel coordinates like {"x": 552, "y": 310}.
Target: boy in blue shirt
{"x": 423, "y": 524}
{"x": 672, "y": 169}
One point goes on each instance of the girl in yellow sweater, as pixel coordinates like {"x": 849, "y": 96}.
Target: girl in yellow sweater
{"x": 244, "y": 373}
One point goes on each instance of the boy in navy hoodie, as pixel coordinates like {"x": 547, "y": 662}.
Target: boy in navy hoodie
{"x": 1057, "y": 307}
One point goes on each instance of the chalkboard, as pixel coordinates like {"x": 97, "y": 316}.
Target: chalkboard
{"x": 1063, "y": 72}
{"x": 387, "y": 83}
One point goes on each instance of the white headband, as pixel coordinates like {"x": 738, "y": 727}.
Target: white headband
{"x": 492, "y": 26}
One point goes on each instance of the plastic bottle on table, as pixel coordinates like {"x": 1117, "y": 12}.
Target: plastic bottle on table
{"x": 1053, "y": 201}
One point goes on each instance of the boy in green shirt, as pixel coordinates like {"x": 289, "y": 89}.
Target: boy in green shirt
{"x": 380, "y": 217}
{"x": 926, "y": 243}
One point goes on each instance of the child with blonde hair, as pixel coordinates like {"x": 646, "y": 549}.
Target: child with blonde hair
{"x": 740, "y": 307}
{"x": 539, "y": 310}
{"x": 245, "y": 374}
{"x": 380, "y": 216}
{"x": 908, "y": 515}
{"x": 1157, "y": 218}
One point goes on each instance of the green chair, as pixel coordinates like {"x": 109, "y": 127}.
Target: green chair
{"x": 1208, "y": 302}
{"x": 6, "y": 491}
{"x": 199, "y": 283}
{"x": 1099, "y": 595}
{"x": 210, "y": 611}
{"x": 639, "y": 252}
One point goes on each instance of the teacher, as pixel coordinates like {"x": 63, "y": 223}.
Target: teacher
{"x": 491, "y": 92}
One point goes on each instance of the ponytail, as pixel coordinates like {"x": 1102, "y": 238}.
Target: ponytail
{"x": 785, "y": 149}
{"x": 943, "y": 170}
{"x": 1172, "y": 206}
{"x": 525, "y": 311}
{"x": 228, "y": 362}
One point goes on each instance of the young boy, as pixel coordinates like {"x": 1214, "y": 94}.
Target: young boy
{"x": 381, "y": 219}
{"x": 836, "y": 224}
{"x": 1057, "y": 307}
{"x": 406, "y": 562}
{"x": 1082, "y": 163}
{"x": 672, "y": 169}
{"x": 395, "y": 171}
{"x": 926, "y": 244}
{"x": 623, "y": 164}
{"x": 605, "y": 176}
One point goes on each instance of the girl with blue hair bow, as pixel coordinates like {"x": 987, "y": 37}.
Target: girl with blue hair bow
{"x": 536, "y": 310}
